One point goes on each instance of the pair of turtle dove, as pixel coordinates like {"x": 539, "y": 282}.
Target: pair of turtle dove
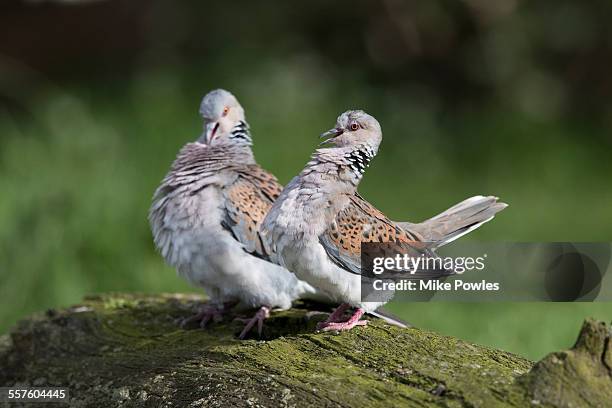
{"x": 229, "y": 227}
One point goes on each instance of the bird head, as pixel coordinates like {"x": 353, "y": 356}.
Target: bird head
{"x": 354, "y": 128}
{"x": 224, "y": 120}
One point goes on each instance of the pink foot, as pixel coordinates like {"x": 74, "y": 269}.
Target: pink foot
{"x": 206, "y": 313}
{"x": 336, "y": 317}
{"x": 346, "y": 325}
{"x": 262, "y": 314}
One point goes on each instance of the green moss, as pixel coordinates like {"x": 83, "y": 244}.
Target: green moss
{"x": 577, "y": 377}
{"x": 129, "y": 349}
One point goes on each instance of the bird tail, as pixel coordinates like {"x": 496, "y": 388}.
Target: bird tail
{"x": 389, "y": 318}
{"x": 457, "y": 220}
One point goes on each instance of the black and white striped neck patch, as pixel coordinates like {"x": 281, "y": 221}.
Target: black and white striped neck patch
{"x": 241, "y": 132}
{"x": 359, "y": 159}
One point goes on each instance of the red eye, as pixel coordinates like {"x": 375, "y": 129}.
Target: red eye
{"x": 225, "y": 110}
{"x": 354, "y": 126}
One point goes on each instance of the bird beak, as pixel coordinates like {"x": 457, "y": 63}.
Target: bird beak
{"x": 211, "y": 130}
{"x": 330, "y": 134}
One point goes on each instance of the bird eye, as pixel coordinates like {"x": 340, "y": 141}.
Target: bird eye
{"x": 225, "y": 110}
{"x": 354, "y": 126}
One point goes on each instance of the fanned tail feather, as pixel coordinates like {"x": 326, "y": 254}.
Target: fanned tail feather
{"x": 457, "y": 221}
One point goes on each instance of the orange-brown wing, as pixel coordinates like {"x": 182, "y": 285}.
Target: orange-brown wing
{"x": 264, "y": 181}
{"x": 361, "y": 222}
{"x": 246, "y": 205}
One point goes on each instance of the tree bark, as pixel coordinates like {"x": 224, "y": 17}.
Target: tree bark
{"x": 127, "y": 350}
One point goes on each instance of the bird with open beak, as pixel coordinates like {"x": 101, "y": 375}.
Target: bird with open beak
{"x": 317, "y": 225}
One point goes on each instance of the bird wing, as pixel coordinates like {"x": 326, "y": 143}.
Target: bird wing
{"x": 360, "y": 222}
{"x": 264, "y": 181}
{"x": 247, "y": 201}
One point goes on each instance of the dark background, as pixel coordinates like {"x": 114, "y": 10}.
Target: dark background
{"x": 502, "y": 97}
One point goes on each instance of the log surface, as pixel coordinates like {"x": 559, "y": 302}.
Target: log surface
{"x": 127, "y": 350}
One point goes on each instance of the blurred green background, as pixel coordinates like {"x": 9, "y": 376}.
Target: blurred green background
{"x": 499, "y": 97}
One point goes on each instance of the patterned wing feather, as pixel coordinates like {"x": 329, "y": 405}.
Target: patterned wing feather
{"x": 360, "y": 222}
{"x": 264, "y": 181}
{"x": 247, "y": 202}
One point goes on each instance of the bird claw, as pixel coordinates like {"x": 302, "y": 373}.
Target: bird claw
{"x": 203, "y": 316}
{"x": 338, "y": 315}
{"x": 340, "y": 326}
{"x": 262, "y": 314}
{"x": 335, "y": 321}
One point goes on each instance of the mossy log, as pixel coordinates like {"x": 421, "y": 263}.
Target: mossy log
{"x": 127, "y": 350}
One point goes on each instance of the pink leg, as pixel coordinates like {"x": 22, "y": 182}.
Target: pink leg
{"x": 347, "y": 325}
{"x": 208, "y": 312}
{"x": 262, "y": 314}
{"x": 336, "y": 317}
